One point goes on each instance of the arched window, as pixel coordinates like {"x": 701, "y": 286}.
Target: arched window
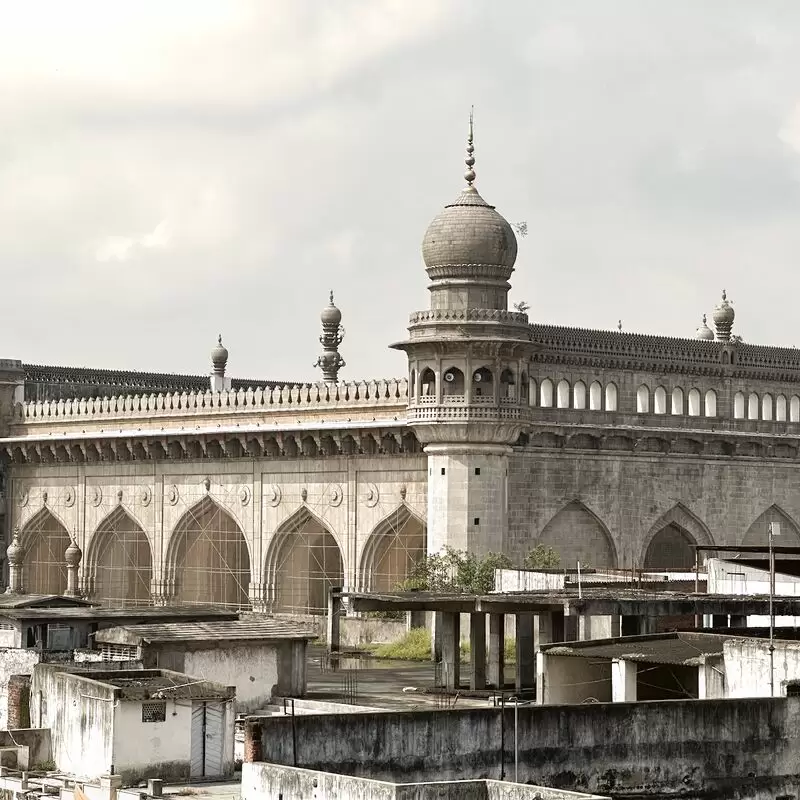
{"x": 642, "y": 400}
{"x": 694, "y": 403}
{"x": 562, "y": 394}
{"x": 453, "y": 384}
{"x": 677, "y": 401}
{"x": 507, "y": 384}
{"x": 766, "y": 406}
{"x": 752, "y": 406}
{"x": 780, "y": 408}
{"x": 428, "y": 382}
{"x": 531, "y": 391}
{"x": 794, "y": 409}
{"x": 546, "y": 393}
{"x": 738, "y": 406}
{"x": 611, "y": 397}
{"x": 579, "y": 395}
{"x": 596, "y": 396}
{"x": 660, "y": 400}
{"x": 482, "y": 383}
{"x": 711, "y": 403}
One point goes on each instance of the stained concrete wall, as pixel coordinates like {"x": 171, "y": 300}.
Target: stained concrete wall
{"x": 747, "y": 667}
{"x": 258, "y": 671}
{"x": 356, "y": 631}
{"x": 36, "y": 740}
{"x": 262, "y": 781}
{"x": 80, "y": 714}
{"x": 571, "y": 679}
{"x": 653, "y": 749}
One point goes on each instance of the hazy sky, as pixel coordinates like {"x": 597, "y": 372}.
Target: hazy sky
{"x": 171, "y": 170}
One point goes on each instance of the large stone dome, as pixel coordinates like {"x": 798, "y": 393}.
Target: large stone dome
{"x": 469, "y": 232}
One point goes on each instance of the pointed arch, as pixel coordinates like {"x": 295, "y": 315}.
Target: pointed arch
{"x": 643, "y": 400}
{"x": 396, "y": 544}
{"x": 208, "y": 559}
{"x": 119, "y": 561}
{"x": 579, "y": 395}
{"x": 660, "y": 400}
{"x": 303, "y": 562}
{"x": 577, "y": 534}
{"x": 45, "y": 540}
{"x": 595, "y": 396}
{"x": 757, "y": 533}
{"x": 671, "y": 539}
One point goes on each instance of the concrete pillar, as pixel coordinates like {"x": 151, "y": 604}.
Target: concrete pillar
{"x": 570, "y": 627}
{"x": 477, "y": 650}
{"x": 334, "y": 619}
{"x": 526, "y": 665}
{"x": 541, "y": 677}
{"x": 549, "y": 628}
{"x": 597, "y": 627}
{"x": 738, "y": 621}
{"x": 436, "y": 636}
{"x": 623, "y": 681}
{"x": 415, "y": 619}
{"x": 497, "y": 648}
{"x": 451, "y": 651}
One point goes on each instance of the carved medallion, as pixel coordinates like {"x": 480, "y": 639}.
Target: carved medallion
{"x": 69, "y": 497}
{"x": 145, "y": 495}
{"x": 173, "y": 495}
{"x": 335, "y": 495}
{"x": 23, "y": 498}
{"x": 272, "y": 494}
{"x": 244, "y": 495}
{"x": 371, "y": 495}
{"x": 97, "y": 496}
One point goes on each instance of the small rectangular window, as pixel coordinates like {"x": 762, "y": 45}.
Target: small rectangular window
{"x": 477, "y": 521}
{"x": 477, "y": 470}
{"x": 442, "y": 470}
{"x": 154, "y": 712}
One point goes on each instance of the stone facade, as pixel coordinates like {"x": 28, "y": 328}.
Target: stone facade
{"x": 616, "y": 449}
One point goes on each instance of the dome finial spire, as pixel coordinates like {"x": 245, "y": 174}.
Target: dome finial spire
{"x": 469, "y": 175}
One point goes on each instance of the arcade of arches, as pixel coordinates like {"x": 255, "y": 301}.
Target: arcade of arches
{"x": 45, "y": 541}
{"x": 392, "y": 551}
{"x": 208, "y": 560}
{"x": 119, "y": 562}
{"x": 305, "y": 562}
{"x": 578, "y": 535}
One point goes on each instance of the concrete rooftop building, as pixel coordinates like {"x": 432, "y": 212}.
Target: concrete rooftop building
{"x": 617, "y": 449}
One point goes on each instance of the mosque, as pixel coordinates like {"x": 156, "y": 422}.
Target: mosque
{"x": 617, "y": 449}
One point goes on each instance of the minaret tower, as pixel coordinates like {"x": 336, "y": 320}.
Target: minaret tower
{"x": 331, "y": 361}
{"x": 468, "y": 369}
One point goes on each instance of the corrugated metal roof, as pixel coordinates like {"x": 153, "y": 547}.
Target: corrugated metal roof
{"x": 252, "y": 630}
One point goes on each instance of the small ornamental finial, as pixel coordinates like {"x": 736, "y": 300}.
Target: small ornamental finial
{"x": 619, "y": 326}
{"x": 724, "y": 295}
{"x": 331, "y": 296}
{"x": 704, "y": 319}
{"x": 469, "y": 175}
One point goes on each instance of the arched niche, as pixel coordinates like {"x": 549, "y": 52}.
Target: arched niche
{"x": 483, "y": 383}
{"x": 119, "y": 561}
{"x": 304, "y": 562}
{"x": 642, "y": 400}
{"x": 758, "y": 532}
{"x": 453, "y": 383}
{"x": 45, "y": 540}
{"x": 208, "y": 561}
{"x": 671, "y": 540}
{"x": 579, "y": 395}
{"x": 660, "y": 400}
{"x": 427, "y": 382}
{"x": 577, "y": 534}
{"x": 595, "y": 396}
{"x": 392, "y": 550}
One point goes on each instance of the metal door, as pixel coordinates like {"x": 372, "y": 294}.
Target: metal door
{"x": 207, "y": 739}
{"x": 198, "y": 740}
{"x": 214, "y": 735}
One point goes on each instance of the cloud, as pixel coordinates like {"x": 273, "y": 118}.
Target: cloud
{"x": 122, "y": 248}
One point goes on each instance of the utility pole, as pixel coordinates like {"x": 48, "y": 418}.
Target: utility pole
{"x": 774, "y": 530}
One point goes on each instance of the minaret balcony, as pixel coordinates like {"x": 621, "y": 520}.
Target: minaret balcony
{"x": 451, "y": 411}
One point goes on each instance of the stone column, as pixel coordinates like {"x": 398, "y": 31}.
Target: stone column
{"x": 711, "y": 678}
{"x": 451, "y": 650}
{"x": 16, "y": 556}
{"x": 497, "y": 643}
{"x": 477, "y": 650}
{"x": 72, "y": 555}
{"x": 623, "y": 681}
{"x": 526, "y": 665}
